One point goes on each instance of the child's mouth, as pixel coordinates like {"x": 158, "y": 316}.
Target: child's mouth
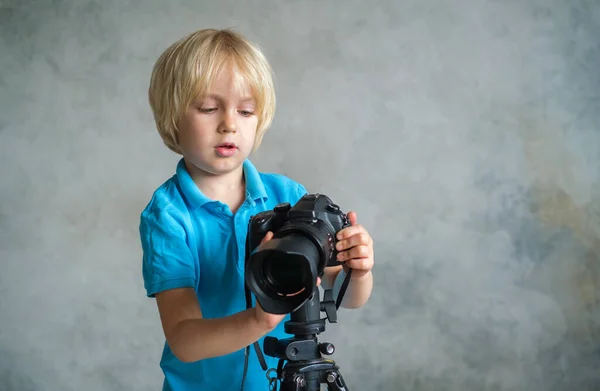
{"x": 226, "y": 149}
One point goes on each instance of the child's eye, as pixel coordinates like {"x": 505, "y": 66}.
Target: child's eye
{"x": 207, "y": 109}
{"x": 246, "y": 113}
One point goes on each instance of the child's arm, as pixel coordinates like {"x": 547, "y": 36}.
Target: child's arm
{"x": 168, "y": 258}
{"x": 358, "y": 291}
{"x": 192, "y": 338}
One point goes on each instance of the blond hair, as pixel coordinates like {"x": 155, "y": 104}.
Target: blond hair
{"x": 186, "y": 69}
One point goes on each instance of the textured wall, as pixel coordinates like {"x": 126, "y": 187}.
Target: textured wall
{"x": 465, "y": 134}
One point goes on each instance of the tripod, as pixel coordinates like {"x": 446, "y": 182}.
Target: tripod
{"x": 306, "y": 368}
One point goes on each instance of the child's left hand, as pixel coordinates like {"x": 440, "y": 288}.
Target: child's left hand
{"x": 355, "y": 247}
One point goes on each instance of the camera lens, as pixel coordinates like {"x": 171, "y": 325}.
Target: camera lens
{"x": 283, "y": 272}
{"x": 285, "y": 277}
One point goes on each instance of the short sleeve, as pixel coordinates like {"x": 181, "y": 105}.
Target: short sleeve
{"x": 300, "y": 192}
{"x": 167, "y": 260}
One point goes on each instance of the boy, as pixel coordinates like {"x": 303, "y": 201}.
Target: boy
{"x": 212, "y": 98}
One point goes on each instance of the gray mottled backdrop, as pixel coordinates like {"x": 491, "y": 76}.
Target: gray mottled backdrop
{"x": 466, "y": 135}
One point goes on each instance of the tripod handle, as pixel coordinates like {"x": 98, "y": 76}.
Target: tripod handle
{"x": 326, "y": 348}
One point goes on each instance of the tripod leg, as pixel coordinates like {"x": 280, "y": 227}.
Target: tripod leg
{"x": 335, "y": 381}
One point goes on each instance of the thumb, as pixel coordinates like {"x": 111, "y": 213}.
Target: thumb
{"x": 352, "y": 218}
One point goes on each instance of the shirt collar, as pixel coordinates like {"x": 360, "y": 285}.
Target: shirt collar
{"x": 255, "y": 188}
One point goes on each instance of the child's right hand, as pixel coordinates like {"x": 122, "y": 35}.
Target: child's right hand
{"x": 265, "y": 319}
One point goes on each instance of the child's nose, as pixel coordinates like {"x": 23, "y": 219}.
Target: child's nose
{"x": 228, "y": 124}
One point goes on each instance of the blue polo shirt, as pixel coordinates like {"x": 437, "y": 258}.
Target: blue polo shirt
{"x": 189, "y": 240}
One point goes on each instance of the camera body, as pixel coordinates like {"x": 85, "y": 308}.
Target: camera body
{"x": 314, "y": 214}
{"x": 282, "y": 273}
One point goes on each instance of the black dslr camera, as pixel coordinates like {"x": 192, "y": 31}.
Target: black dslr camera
{"x": 283, "y": 273}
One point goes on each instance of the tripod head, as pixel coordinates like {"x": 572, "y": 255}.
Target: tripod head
{"x": 305, "y": 324}
{"x": 306, "y": 367}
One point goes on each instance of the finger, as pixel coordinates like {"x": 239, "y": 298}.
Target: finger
{"x": 355, "y": 253}
{"x": 318, "y": 281}
{"x": 350, "y": 231}
{"x": 267, "y": 237}
{"x": 360, "y": 263}
{"x": 360, "y": 239}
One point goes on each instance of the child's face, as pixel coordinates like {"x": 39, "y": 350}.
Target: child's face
{"x": 216, "y": 134}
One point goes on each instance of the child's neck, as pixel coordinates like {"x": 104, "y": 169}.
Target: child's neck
{"x": 229, "y": 189}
